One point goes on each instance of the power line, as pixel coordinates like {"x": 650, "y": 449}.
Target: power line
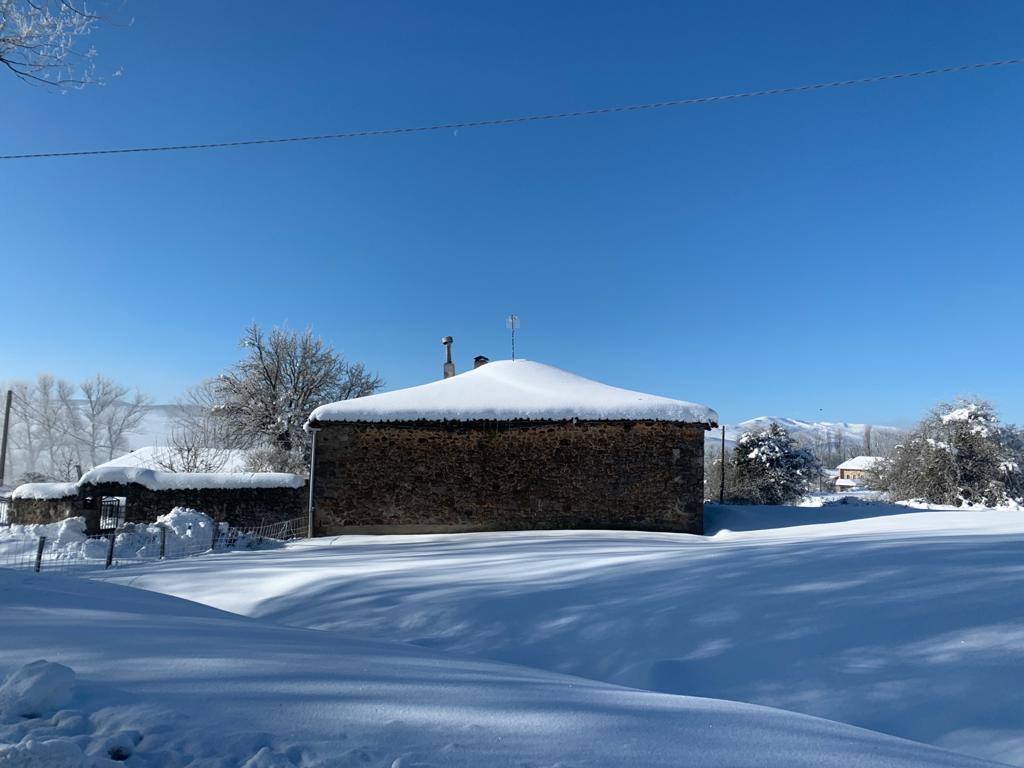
{"x": 525, "y": 118}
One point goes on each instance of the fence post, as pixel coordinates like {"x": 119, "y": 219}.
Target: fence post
{"x": 163, "y": 541}
{"x": 213, "y": 538}
{"x": 39, "y": 553}
{"x": 110, "y": 549}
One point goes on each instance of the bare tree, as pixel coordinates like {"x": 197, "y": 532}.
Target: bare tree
{"x": 266, "y": 397}
{"x": 25, "y": 434}
{"x": 53, "y": 432}
{"x": 200, "y": 440}
{"x": 43, "y": 41}
{"x": 107, "y": 416}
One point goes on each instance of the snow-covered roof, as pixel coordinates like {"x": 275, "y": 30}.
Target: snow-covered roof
{"x": 846, "y": 482}
{"x": 159, "y": 457}
{"x": 860, "y": 462}
{"x": 45, "y": 491}
{"x": 505, "y": 390}
{"x": 166, "y": 481}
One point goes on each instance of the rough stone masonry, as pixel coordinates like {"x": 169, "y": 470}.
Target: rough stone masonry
{"x": 421, "y": 476}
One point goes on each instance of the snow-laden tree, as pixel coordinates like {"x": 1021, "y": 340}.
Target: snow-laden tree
{"x": 770, "y": 468}
{"x": 43, "y": 41}
{"x": 57, "y": 427}
{"x": 959, "y": 453}
{"x": 265, "y": 398}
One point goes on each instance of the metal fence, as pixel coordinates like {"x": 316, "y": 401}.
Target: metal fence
{"x": 136, "y": 544}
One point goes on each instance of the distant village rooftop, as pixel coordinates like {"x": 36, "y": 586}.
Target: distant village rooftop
{"x": 859, "y": 463}
{"x": 507, "y": 390}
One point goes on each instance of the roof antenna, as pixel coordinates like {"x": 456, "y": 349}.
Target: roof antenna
{"x": 512, "y": 322}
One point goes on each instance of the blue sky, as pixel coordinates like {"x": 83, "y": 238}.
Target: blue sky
{"x": 852, "y": 254}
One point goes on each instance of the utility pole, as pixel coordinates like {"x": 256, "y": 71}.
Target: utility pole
{"x": 311, "y": 510}
{"x": 721, "y": 485}
{"x": 7, "y": 429}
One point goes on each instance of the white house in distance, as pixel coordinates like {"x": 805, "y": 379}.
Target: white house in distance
{"x": 852, "y": 471}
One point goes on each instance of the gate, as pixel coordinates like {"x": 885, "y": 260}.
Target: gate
{"x": 111, "y": 513}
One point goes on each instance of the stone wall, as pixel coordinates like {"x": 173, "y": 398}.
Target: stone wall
{"x": 41, "y": 511}
{"x": 241, "y": 507}
{"x": 416, "y": 477}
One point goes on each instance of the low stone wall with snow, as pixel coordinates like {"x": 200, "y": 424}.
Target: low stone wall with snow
{"x": 23, "y": 511}
{"x": 241, "y": 507}
{"x": 461, "y": 476}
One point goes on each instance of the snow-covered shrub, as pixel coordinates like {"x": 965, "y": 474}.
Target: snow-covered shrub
{"x": 769, "y": 468}
{"x": 958, "y": 454}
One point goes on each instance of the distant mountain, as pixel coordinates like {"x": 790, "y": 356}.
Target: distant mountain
{"x": 155, "y": 428}
{"x": 814, "y": 433}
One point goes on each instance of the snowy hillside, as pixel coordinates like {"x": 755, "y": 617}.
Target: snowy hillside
{"x": 155, "y": 428}
{"x": 154, "y": 681}
{"x": 808, "y": 433}
{"x": 900, "y": 621}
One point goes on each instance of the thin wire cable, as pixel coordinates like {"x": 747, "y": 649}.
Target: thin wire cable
{"x": 523, "y": 118}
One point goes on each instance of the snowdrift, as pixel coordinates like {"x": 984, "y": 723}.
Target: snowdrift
{"x": 167, "y": 682}
{"x": 902, "y": 621}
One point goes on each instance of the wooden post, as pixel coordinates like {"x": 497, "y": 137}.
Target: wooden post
{"x": 110, "y": 549}
{"x": 721, "y": 486}
{"x": 213, "y": 538}
{"x": 163, "y": 541}
{"x": 39, "y": 553}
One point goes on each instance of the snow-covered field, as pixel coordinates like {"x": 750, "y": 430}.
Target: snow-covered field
{"x": 454, "y": 650}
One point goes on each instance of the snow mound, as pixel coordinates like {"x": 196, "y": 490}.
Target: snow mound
{"x": 68, "y": 531}
{"x": 36, "y": 689}
{"x": 42, "y": 754}
{"x": 37, "y": 732}
{"x": 45, "y": 491}
{"x": 514, "y": 389}
{"x": 185, "y": 521}
{"x": 166, "y": 481}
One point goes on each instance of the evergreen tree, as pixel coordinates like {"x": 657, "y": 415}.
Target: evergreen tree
{"x": 770, "y": 468}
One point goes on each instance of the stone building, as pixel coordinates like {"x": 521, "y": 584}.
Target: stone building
{"x": 42, "y": 503}
{"x": 110, "y": 495}
{"x": 511, "y": 444}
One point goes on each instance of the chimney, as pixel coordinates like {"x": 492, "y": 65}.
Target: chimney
{"x": 480, "y": 360}
{"x": 449, "y": 366}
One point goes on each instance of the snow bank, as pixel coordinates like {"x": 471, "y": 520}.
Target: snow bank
{"x": 155, "y": 480}
{"x": 67, "y": 531}
{"x": 45, "y": 491}
{"x": 513, "y": 389}
{"x": 188, "y": 532}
